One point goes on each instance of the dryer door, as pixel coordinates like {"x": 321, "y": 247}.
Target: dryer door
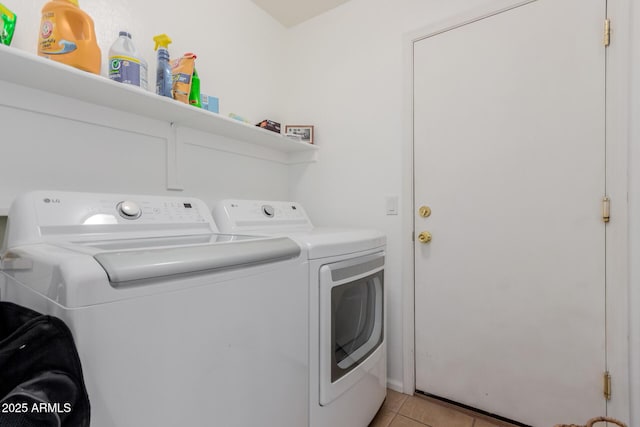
{"x": 351, "y": 321}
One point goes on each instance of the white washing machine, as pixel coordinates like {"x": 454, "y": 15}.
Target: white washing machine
{"x": 175, "y": 324}
{"x": 347, "y": 347}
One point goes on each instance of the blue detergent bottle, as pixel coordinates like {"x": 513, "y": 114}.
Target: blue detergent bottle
{"x": 164, "y": 83}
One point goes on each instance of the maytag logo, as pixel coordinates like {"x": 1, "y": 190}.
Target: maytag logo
{"x": 48, "y": 200}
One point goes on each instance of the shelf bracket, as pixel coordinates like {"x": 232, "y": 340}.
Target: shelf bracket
{"x": 174, "y": 159}
{"x": 301, "y": 157}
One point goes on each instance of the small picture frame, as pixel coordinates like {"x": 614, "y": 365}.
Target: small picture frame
{"x": 305, "y": 132}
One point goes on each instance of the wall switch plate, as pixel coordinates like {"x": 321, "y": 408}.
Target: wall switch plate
{"x": 392, "y": 205}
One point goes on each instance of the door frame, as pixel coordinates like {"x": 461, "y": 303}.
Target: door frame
{"x": 617, "y": 122}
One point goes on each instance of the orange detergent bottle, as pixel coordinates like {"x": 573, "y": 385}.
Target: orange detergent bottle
{"x": 67, "y": 35}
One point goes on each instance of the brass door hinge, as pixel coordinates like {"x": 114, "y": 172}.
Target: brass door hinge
{"x": 607, "y": 385}
{"x": 607, "y": 32}
{"x": 606, "y": 209}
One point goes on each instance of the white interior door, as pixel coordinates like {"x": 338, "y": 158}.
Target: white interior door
{"x": 509, "y": 143}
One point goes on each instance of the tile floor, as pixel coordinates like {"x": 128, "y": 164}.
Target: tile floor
{"x": 401, "y": 410}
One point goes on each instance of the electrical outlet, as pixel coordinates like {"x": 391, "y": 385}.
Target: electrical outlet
{"x": 392, "y": 205}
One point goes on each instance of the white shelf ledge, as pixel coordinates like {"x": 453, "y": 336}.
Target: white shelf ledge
{"x": 29, "y": 70}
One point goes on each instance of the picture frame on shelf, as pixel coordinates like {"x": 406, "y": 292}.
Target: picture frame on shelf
{"x": 305, "y": 132}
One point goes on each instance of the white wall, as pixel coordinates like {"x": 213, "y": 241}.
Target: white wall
{"x": 52, "y": 142}
{"x": 237, "y": 43}
{"x": 346, "y": 78}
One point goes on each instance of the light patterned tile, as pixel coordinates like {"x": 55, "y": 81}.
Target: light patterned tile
{"x": 400, "y": 421}
{"x": 394, "y": 400}
{"x": 484, "y": 423}
{"x": 479, "y": 417}
{"x": 433, "y": 414}
{"x": 383, "y": 418}
{"x": 487, "y": 421}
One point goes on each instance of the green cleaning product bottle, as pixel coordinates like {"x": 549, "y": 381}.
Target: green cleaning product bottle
{"x": 8, "y": 21}
{"x": 194, "y": 94}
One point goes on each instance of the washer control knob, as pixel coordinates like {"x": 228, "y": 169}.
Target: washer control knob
{"x": 129, "y": 210}
{"x": 268, "y": 210}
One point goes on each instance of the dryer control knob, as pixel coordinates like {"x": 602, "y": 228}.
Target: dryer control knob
{"x": 129, "y": 210}
{"x": 268, "y": 211}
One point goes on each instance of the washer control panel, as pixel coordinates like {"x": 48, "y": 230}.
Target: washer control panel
{"x": 64, "y": 216}
{"x": 61, "y": 208}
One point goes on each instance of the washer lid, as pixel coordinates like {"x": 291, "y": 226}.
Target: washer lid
{"x": 130, "y": 265}
{"x": 77, "y": 277}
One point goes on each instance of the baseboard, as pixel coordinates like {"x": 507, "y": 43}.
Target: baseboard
{"x": 395, "y": 385}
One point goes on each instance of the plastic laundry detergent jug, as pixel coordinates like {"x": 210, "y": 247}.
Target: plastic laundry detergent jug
{"x": 67, "y": 35}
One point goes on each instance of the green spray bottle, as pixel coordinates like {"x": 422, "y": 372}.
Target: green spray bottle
{"x": 8, "y": 21}
{"x": 194, "y": 94}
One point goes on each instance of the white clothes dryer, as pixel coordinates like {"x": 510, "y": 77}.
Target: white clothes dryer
{"x": 175, "y": 324}
{"x": 347, "y": 345}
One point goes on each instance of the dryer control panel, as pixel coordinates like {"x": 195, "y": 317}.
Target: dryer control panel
{"x": 250, "y": 215}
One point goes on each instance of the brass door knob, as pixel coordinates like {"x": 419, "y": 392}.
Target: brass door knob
{"x": 424, "y": 211}
{"x": 424, "y": 237}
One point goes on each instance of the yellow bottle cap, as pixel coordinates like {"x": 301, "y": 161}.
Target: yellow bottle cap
{"x": 7, "y": 12}
{"x": 161, "y": 40}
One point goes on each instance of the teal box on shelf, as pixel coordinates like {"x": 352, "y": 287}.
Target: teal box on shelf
{"x": 210, "y": 103}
